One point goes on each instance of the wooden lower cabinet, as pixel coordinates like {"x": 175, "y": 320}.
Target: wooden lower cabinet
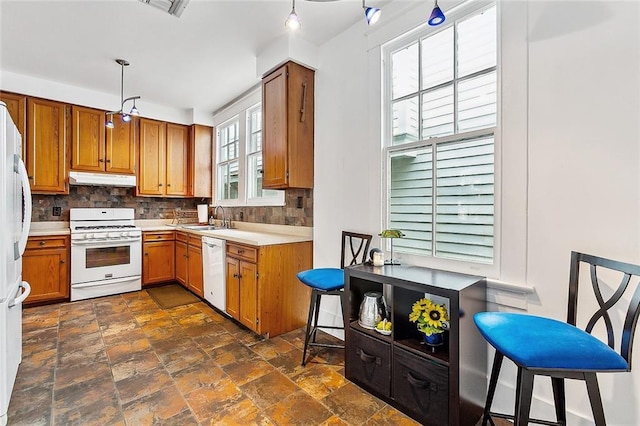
{"x": 182, "y": 267}
{"x": 263, "y": 292}
{"x": 45, "y": 266}
{"x": 189, "y": 262}
{"x": 158, "y": 261}
{"x": 194, "y": 258}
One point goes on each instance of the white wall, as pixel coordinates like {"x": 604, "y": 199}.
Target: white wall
{"x": 569, "y": 163}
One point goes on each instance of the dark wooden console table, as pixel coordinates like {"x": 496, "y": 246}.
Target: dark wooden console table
{"x": 445, "y": 387}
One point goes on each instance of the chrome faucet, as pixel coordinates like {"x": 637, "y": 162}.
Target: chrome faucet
{"x": 225, "y": 224}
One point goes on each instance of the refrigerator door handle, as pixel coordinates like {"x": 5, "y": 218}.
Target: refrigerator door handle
{"x": 23, "y": 296}
{"x": 18, "y": 167}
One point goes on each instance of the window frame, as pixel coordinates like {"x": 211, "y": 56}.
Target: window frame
{"x": 240, "y": 110}
{"x": 463, "y": 11}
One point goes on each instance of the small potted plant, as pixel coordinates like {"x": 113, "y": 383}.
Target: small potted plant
{"x": 431, "y": 319}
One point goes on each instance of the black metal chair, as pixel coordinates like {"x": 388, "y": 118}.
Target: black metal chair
{"x": 330, "y": 281}
{"x": 547, "y": 347}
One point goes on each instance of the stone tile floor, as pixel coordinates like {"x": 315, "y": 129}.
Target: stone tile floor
{"x": 123, "y": 360}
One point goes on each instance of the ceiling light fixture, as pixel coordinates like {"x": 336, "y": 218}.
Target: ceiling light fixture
{"x": 292, "y": 22}
{"x": 437, "y": 17}
{"x": 134, "y": 111}
{"x": 371, "y": 14}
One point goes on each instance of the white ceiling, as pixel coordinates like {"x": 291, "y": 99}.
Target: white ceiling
{"x": 202, "y": 60}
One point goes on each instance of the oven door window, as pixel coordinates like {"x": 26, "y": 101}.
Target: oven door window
{"x": 108, "y": 256}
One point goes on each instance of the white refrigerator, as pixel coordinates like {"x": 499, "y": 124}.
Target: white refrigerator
{"x": 15, "y": 217}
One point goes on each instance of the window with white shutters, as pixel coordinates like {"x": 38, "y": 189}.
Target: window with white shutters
{"x": 442, "y": 115}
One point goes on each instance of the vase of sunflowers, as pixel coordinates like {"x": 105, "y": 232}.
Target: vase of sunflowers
{"x": 431, "y": 319}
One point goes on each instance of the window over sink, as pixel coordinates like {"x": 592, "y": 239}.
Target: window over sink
{"x": 238, "y": 158}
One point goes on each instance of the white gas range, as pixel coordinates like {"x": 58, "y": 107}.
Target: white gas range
{"x": 106, "y": 252}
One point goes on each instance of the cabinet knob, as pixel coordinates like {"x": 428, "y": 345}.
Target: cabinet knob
{"x": 42, "y": 243}
{"x": 62, "y": 261}
{"x": 108, "y": 161}
{"x": 146, "y": 254}
{"x": 240, "y": 251}
{"x": 159, "y": 184}
{"x": 101, "y": 161}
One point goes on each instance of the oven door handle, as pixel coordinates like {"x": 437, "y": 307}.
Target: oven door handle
{"x": 101, "y": 243}
{"x": 105, "y": 282}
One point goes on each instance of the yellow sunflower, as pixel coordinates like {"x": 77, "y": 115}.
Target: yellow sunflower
{"x": 429, "y": 317}
{"x": 436, "y": 314}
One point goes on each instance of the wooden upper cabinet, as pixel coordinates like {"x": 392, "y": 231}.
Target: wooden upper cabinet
{"x": 88, "y": 139}
{"x": 201, "y": 145}
{"x": 46, "y": 146}
{"x": 17, "y": 107}
{"x": 288, "y": 126}
{"x": 151, "y": 173}
{"x": 95, "y": 148}
{"x": 177, "y": 167}
{"x": 120, "y": 147}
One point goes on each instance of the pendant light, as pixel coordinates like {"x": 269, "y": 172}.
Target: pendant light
{"x": 292, "y": 22}
{"x": 371, "y": 14}
{"x": 437, "y": 17}
{"x": 126, "y": 117}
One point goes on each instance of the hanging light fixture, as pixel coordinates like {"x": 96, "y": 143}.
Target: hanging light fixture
{"x": 292, "y": 22}
{"x": 371, "y": 14}
{"x": 437, "y": 17}
{"x": 126, "y": 117}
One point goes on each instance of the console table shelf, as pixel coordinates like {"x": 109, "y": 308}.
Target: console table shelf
{"x": 440, "y": 387}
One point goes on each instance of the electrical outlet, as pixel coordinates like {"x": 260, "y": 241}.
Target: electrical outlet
{"x": 299, "y": 202}
{"x": 57, "y": 211}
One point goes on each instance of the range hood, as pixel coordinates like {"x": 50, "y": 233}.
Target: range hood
{"x": 101, "y": 179}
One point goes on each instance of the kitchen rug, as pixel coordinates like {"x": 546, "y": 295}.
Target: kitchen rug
{"x": 171, "y": 296}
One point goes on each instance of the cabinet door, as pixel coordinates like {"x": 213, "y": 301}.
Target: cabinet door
{"x": 200, "y": 145}
{"x": 46, "y": 146}
{"x": 274, "y": 129}
{"x": 87, "y": 136}
{"x": 195, "y": 270}
{"x": 181, "y": 263}
{"x": 152, "y": 157}
{"x": 17, "y": 107}
{"x": 233, "y": 287}
{"x": 158, "y": 262}
{"x": 177, "y": 160}
{"x": 248, "y": 295}
{"x": 47, "y": 271}
{"x": 121, "y": 147}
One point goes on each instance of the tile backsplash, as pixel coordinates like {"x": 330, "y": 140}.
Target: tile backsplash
{"x": 162, "y": 208}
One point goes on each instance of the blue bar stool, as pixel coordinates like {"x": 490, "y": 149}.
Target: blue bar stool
{"x": 330, "y": 281}
{"x": 560, "y": 350}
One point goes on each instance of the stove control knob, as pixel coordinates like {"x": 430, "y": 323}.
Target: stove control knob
{"x": 87, "y": 236}
{"x": 112, "y": 235}
{"x": 124, "y": 234}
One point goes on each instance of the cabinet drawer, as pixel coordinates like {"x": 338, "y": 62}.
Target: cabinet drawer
{"x": 421, "y": 386}
{"x": 369, "y": 362}
{"x": 195, "y": 240}
{"x": 243, "y": 252}
{"x": 46, "y": 242}
{"x": 182, "y": 236}
{"x": 158, "y": 236}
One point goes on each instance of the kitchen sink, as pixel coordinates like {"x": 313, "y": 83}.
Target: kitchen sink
{"x": 200, "y": 227}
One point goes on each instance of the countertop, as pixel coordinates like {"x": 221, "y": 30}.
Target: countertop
{"x": 255, "y": 234}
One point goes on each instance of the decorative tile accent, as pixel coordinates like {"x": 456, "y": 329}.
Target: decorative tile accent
{"x": 162, "y": 208}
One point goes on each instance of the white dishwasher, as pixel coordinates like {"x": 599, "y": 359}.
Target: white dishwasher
{"x": 214, "y": 273}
